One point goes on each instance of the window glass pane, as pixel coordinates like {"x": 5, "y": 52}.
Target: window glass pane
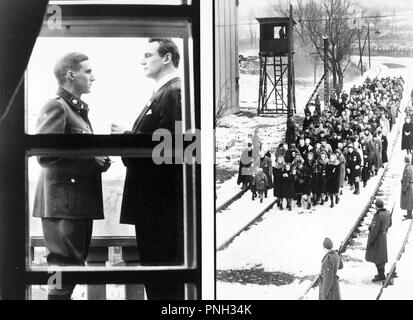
{"x": 105, "y": 292}
{"x": 80, "y": 214}
{"x": 120, "y": 88}
{"x": 159, "y": 2}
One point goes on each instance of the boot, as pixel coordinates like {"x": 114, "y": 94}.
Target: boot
{"x": 326, "y": 198}
{"x": 332, "y": 202}
{"x": 364, "y": 184}
{"x": 375, "y": 172}
{"x": 379, "y": 277}
{"x": 337, "y": 199}
{"x": 322, "y": 202}
{"x": 266, "y": 194}
{"x": 309, "y": 206}
{"x": 281, "y": 206}
{"x": 253, "y": 197}
{"x": 357, "y": 189}
{"x": 408, "y": 215}
{"x": 341, "y": 191}
{"x": 299, "y": 201}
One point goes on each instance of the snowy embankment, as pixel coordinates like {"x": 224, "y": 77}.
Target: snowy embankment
{"x": 290, "y": 242}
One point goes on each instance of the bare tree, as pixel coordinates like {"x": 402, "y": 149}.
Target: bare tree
{"x": 251, "y": 21}
{"x": 317, "y": 19}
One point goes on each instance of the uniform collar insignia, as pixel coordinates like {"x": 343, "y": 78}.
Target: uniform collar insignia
{"x": 73, "y": 101}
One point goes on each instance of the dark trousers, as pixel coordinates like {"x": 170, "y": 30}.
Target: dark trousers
{"x": 159, "y": 246}
{"x": 380, "y": 269}
{"x": 67, "y": 242}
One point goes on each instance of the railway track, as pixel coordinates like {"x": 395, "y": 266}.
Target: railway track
{"x": 385, "y": 189}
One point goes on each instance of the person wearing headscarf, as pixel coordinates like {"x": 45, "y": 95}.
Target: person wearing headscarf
{"x": 245, "y": 164}
{"x": 308, "y": 173}
{"x": 277, "y": 170}
{"x": 329, "y": 288}
{"x": 298, "y": 169}
{"x": 377, "y": 153}
{"x": 321, "y": 178}
{"x": 406, "y": 197}
{"x": 333, "y": 179}
{"x": 260, "y": 183}
{"x": 353, "y": 168}
{"x": 288, "y": 186}
{"x": 384, "y": 144}
{"x": 266, "y": 165}
{"x": 342, "y": 160}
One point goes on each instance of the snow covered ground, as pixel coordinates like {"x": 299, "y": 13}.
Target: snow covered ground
{"x": 290, "y": 242}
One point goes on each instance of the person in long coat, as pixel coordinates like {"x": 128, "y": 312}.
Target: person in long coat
{"x": 266, "y": 165}
{"x": 376, "y": 250}
{"x": 290, "y": 132}
{"x": 68, "y": 196}
{"x": 308, "y": 175}
{"x": 377, "y": 153}
{"x": 288, "y": 185}
{"x": 277, "y": 174}
{"x": 342, "y": 160}
{"x": 406, "y": 197}
{"x": 153, "y": 198}
{"x": 333, "y": 179}
{"x": 321, "y": 177}
{"x": 256, "y": 144}
{"x": 245, "y": 163}
{"x": 407, "y": 135}
{"x": 354, "y": 168}
{"x": 384, "y": 144}
{"x": 260, "y": 183}
{"x": 329, "y": 288}
{"x": 298, "y": 169}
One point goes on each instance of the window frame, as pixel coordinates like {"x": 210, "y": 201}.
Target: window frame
{"x": 18, "y": 245}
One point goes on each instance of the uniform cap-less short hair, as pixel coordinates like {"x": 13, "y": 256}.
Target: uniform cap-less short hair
{"x": 166, "y": 46}
{"x": 70, "y": 61}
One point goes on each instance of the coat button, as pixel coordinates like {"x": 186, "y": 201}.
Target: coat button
{"x": 72, "y": 180}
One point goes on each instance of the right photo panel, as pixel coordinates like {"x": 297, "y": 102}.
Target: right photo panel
{"x": 313, "y": 154}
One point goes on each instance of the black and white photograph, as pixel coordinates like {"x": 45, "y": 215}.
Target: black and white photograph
{"x": 100, "y": 172}
{"x": 313, "y": 106}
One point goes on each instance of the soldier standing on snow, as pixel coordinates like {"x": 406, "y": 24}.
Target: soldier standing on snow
{"x": 376, "y": 250}
{"x": 329, "y": 288}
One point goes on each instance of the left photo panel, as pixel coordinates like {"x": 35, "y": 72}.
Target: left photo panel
{"x": 100, "y": 174}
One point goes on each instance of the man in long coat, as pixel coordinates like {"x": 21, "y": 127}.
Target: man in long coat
{"x": 376, "y": 250}
{"x": 406, "y": 198}
{"x": 329, "y": 288}
{"x": 153, "y": 193}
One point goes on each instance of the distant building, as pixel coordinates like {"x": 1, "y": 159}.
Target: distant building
{"x": 226, "y": 56}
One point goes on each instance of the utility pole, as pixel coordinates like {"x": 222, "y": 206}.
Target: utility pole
{"x": 361, "y": 53}
{"x": 326, "y": 74}
{"x": 368, "y": 37}
{"x": 290, "y": 58}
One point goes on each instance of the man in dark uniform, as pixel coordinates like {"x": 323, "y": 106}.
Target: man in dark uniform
{"x": 376, "y": 250}
{"x": 329, "y": 288}
{"x": 69, "y": 191}
{"x": 153, "y": 193}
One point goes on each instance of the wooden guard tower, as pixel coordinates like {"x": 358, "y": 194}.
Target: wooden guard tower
{"x": 277, "y": 82}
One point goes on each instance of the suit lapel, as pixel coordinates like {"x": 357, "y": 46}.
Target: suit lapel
{"x": 149, "y": 104}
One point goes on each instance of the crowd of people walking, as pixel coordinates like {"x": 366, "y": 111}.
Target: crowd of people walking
{"x": 347, "y": 141}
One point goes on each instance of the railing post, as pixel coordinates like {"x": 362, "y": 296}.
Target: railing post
{"x": 132, "y": 291}
{"x": 97, "y": 257}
